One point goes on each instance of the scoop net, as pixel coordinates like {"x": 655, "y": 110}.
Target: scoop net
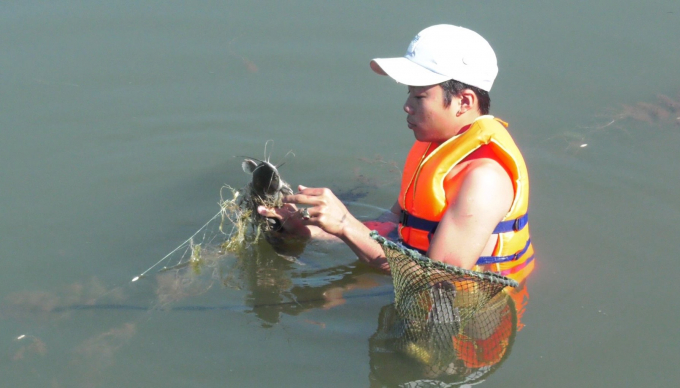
{"x": 434, "y": 302}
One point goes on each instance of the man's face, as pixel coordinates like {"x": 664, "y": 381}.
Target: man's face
{"x": 429, "y": 119}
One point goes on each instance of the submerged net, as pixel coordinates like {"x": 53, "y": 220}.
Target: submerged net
{"x": 469, "y": 357}
{"x": 440, "y": 310}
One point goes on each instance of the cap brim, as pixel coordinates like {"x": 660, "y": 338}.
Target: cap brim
{"x": 406, "y": 72}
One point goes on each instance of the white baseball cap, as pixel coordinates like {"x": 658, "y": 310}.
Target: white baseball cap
{"x": 440, "y": 53}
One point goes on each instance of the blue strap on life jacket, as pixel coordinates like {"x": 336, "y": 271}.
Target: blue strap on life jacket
{"x": 411, "y": 221}
{"x": 482, "y": 259}
{"x": 502, "y": 259}
{"x": 512, "y": 225}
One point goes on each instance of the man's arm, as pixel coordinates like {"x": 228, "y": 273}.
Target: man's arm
{"x": 392, "y": 215}
{"x": 483, "y": 197}
{"x": 386, "y": 223}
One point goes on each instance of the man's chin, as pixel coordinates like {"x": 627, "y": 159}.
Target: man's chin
{"x": 428, "y": 137}
{"x": 421, "y": 137}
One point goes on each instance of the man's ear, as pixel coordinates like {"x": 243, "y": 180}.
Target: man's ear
{"x": 468, "y": 101}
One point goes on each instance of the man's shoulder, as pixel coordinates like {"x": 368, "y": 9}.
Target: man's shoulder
{"x": 486, "y": 171}
{"x": 479, "y": 175}
{"x": 486, "y": 183}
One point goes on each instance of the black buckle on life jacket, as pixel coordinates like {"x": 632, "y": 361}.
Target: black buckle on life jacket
{"x": 403, "y": 217}
{"x": 520, "y": 223}
{"x": 418, "y": 223}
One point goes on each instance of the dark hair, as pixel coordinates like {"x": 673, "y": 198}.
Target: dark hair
{"x": 453, "y": 88}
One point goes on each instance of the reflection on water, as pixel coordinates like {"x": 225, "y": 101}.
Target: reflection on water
{"x": 449, "y": 356}
{"x": 267, "y": 285}
{"x": 97, "y": 354}
{"x": 47, "y": 305}
{"x": 52, "y": 358}
{"x": 31, "y": 346}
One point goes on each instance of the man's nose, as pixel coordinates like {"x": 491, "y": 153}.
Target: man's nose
{"x": 407, "y": 108}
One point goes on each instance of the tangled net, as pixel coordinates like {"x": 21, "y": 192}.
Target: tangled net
{"x": 241, "y": 212}
{"x": 236, "y": 230}
{"x": 441, "y": 311}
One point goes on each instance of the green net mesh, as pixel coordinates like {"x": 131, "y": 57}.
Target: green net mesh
{"x": 443, "y": 316}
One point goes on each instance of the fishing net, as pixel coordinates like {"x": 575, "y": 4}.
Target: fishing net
{"x": 467, "y": 358}
{"x": 240, "y": 212}
{"x": 444, "y": 314}
{"x": 222, "y": 250}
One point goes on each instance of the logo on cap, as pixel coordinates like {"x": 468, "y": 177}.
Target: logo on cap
{"x": 411, "y": 52}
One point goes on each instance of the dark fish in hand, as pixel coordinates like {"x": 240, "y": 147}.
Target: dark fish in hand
{"x": 266, "y": 188}
{"x": 266, "y": 182}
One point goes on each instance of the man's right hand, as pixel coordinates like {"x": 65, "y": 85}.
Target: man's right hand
{"x": 292, "y": 221}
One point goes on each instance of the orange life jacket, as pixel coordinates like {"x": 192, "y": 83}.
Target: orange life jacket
{"x": 425, "y": 189}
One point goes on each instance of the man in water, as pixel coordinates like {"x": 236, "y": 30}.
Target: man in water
{"x": 464, "y": 189}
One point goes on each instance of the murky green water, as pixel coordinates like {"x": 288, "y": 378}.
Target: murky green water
{"x": 121, "y": 121}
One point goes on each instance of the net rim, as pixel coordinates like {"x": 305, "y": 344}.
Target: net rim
{"x": 425, "y": 261}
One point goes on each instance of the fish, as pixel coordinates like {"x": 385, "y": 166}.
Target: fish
{"x": 266, "y": 188}
{"x": 266, "y": 181}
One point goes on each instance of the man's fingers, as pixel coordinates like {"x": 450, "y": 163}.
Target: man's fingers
{"x": 311, "y": 190}
{"x": 307, "y": 196}
{"x": 264, "y": 211}
{"x": 303, "y": 199}
{"x": 290, "y": 207}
